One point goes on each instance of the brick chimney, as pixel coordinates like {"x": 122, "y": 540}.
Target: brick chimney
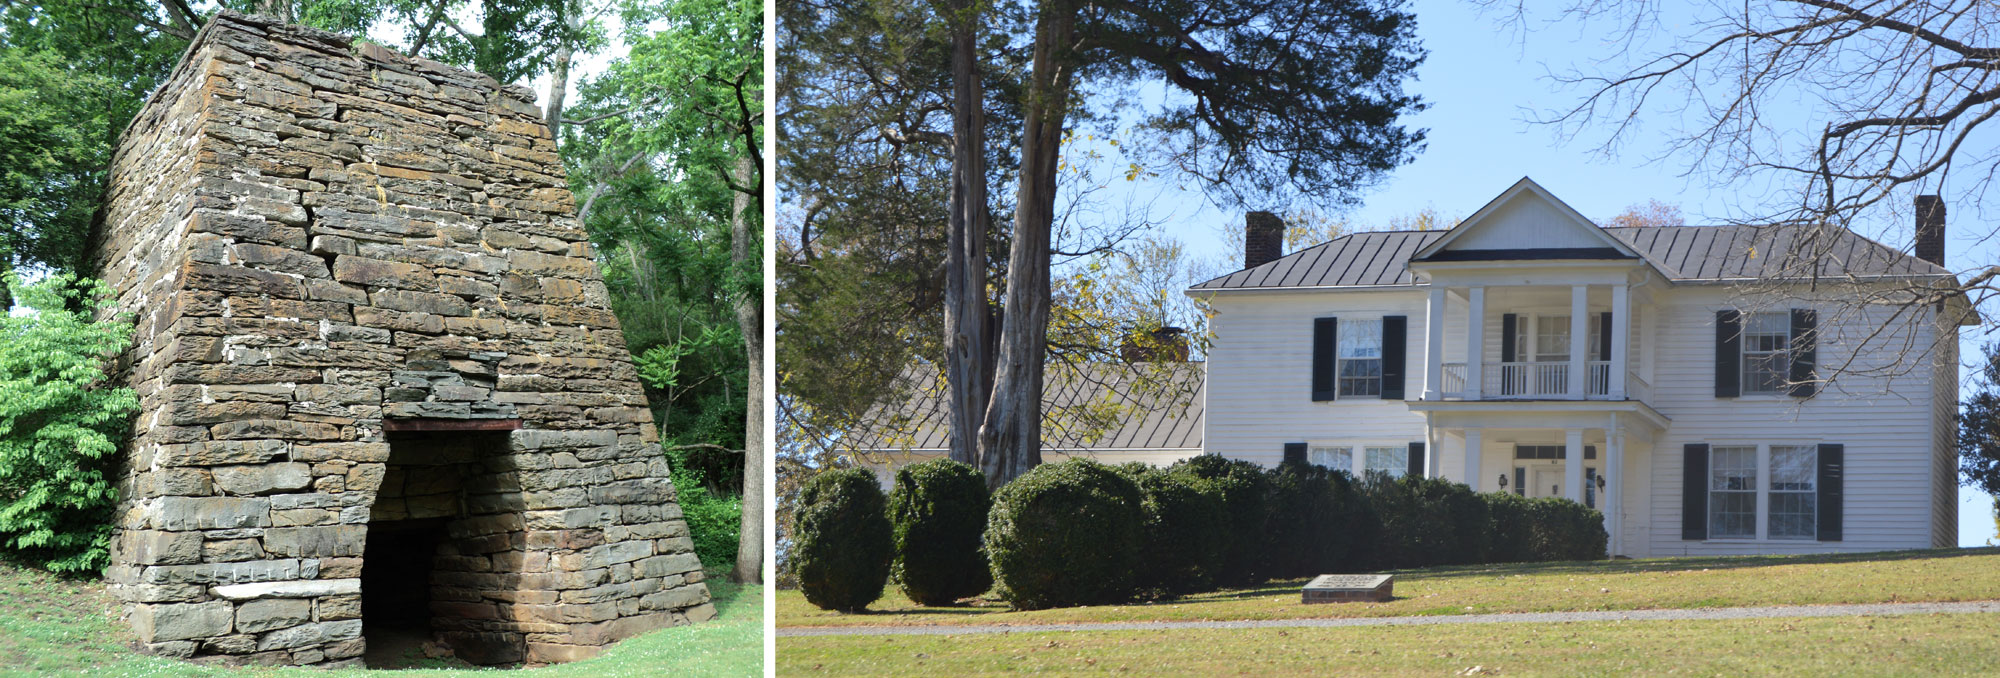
{"x": 1930, "y": 229}
{"x": 1263, "y": 238}
{"x": 1167, "y": 344}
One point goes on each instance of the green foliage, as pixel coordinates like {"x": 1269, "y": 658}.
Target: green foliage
{"x": 842, "y": 541}
{"x": 938, "y": 509}
{"x": 1420, "y": 522}
{"x": 1560, "y": 529}
{"x": 1244, "y": 489}
{"x": 1316, "y": 523}
{"x": 1513, "y": 530}
{"x": 55, "y": 142}
{"x": 1979, "y": 428}
{"x": 1185, "y": 532}
{"x": 60, "y": 425}
{"x": 714, "y": 521}
{"x": 1067, "y": 533}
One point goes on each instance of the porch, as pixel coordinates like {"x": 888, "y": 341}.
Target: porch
{"x": 1523, "y": 342}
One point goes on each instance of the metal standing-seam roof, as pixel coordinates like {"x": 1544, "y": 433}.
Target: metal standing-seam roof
{"x": 1682, "y": 253}
{"x": 1108, "y": 406}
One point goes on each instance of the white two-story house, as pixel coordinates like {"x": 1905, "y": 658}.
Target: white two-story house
{"x": 1658, "y": 374}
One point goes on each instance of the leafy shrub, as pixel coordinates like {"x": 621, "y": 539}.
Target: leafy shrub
{"x": 1067, "y": 533}
{"x": 938, "y": 510}
{"x": 1243, "y": 487}
{"x": 842, "y": 542}
{"x": 715, "y": 522}
{"x": 1185, "y": 531}
{"x": 1314, "y": 523}
{"x": 1426, "y": 522}
{"x": 1560, "y": 529}
{"x": 1513, "y": 528}
{"x": 60, "y": 425}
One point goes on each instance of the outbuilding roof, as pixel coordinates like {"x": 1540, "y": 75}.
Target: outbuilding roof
{"x": 1096, "y": 407}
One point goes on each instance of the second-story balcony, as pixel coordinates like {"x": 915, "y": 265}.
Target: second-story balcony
{"x": 1529, "y": 381}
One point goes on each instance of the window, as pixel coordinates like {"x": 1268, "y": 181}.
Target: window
{"x": 1794, "y": 495}
{"x": 1767, "y": 365}
{"x": 1544, "y": 338}
{"x": 1600, "y": 325}
{"x": 1550, "y": 452}
{"x": 1589, "y": 488}
{"x": 1360, "y": 355}
{"x": 1334, "y": 458}
{"x": 1393, "y": 461}
{"x": 1732, "y": 492}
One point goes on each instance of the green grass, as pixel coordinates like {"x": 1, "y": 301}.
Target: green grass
{"x": 1663, "y": 583}
{"x": 1857, "y": 646}
{"x": 56, "y": 627}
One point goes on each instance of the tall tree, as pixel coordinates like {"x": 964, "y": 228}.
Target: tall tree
{"x": 674, "y": 143}
{"x": 968, "y": 312}
{"x": 1275, "y": 99}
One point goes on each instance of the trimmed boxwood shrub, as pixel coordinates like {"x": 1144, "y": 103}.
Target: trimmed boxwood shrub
{"x": 1560, "y": 529}
{"x": 1067, "y": 533}
{"x": 1512, "y": 528}
{"x": 1185, "y": 530}
{"x": 1314, "y": 523}
{"x": 843, "y": 542}
{"x": 1426, "y": 522}
{"x": 1243, "y": 488}
{"x": 938, "y": 509}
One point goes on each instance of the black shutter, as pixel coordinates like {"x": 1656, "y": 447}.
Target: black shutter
{"x": 1395, "y": 348}
{"x": 1417, "y": 459}
{"x": 1604, "y": 337}
{"x": 1508, "y": 323}
{"x": 1694, "y": 492}
{"x": 1728, "y": 354}
{"x": 1295, "y": 453}
{"x": 1805, "y": 352}
{"x": 1325, "y": 344}
{"x": 1832, "y": 468}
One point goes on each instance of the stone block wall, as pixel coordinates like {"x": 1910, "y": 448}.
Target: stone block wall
{"x": 326, "y": 244}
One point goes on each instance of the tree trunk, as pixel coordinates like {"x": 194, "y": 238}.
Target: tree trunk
{"x": 966, "y": 310}
{"x": 1011, "y": 437}
{"x": 559, "y": 75}
{"x": 276, "y": 9}
{"x": 750, "y": 319}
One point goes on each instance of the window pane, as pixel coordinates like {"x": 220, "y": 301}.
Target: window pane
{"x": 1394, "y": 461}
{"x": 1361, "y": 376}
{"x": 1336, "y": 458}
{"x": 1361, "y": 338}
{"x": 1766, "y": 362}
{"x": 1732, "y": 497}
{"x": 1794, "y": 467}
{"x": 1794, "y": 515}
{"x": 1767, "y": 323}
{"x": 1552, "y": 337}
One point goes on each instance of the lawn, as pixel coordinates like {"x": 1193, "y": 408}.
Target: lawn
{"x": 1912, "y": 645}
{"x": 1662, "y": 583}
{"x": 57, "y": 627}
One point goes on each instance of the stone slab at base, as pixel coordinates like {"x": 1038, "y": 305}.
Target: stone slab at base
{"x": 1349, "y": 588}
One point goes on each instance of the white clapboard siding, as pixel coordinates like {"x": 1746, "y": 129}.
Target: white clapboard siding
{"x": 1886, "y": 423}
{"x": 1260, "y": 375}
{"x": 1944, "y": 434}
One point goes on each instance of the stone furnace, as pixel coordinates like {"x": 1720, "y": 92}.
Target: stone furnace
{"x": 384, "y": 396}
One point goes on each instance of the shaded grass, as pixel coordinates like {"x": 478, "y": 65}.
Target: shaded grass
{"x": 1943, "y": 644}
{"x": 56, "y": 627}
{"x": 1937, "y": 575}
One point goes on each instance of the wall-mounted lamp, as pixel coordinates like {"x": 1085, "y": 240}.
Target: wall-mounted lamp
{"x": 1503, "y": 481}
{"x": 1600, "y": 482}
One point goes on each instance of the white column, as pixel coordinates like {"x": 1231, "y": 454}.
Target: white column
{"x": 1579, "y": 338}
{"x": 1612, "y": 499}
{"x": 1434, "y": 343}
{"x": 1473, "y": 449}
{"x": 1433, "y": 439}
{"x": 1621, "y": 323}
{"x": 1573, "y": 464}
{"x": 1475, "y": 343}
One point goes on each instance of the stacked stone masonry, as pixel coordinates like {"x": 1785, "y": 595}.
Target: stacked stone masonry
{"x": 330, "y": 249}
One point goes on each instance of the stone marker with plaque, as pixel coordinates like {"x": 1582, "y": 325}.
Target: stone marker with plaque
{"x": 1348, "y": 588}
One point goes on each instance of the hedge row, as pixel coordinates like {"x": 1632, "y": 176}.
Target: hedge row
{"x": 1081, "y": 533}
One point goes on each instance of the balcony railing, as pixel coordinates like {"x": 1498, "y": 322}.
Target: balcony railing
{"x": 1527, "y": 380}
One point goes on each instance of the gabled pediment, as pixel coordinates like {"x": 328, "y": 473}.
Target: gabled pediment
{"x": 1526, "y": 222}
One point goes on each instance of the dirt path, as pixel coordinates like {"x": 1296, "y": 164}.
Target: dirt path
{"x": 1871, "y": 609}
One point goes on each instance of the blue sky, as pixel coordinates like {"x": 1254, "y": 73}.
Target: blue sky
{"x": 1483, "y": 82}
